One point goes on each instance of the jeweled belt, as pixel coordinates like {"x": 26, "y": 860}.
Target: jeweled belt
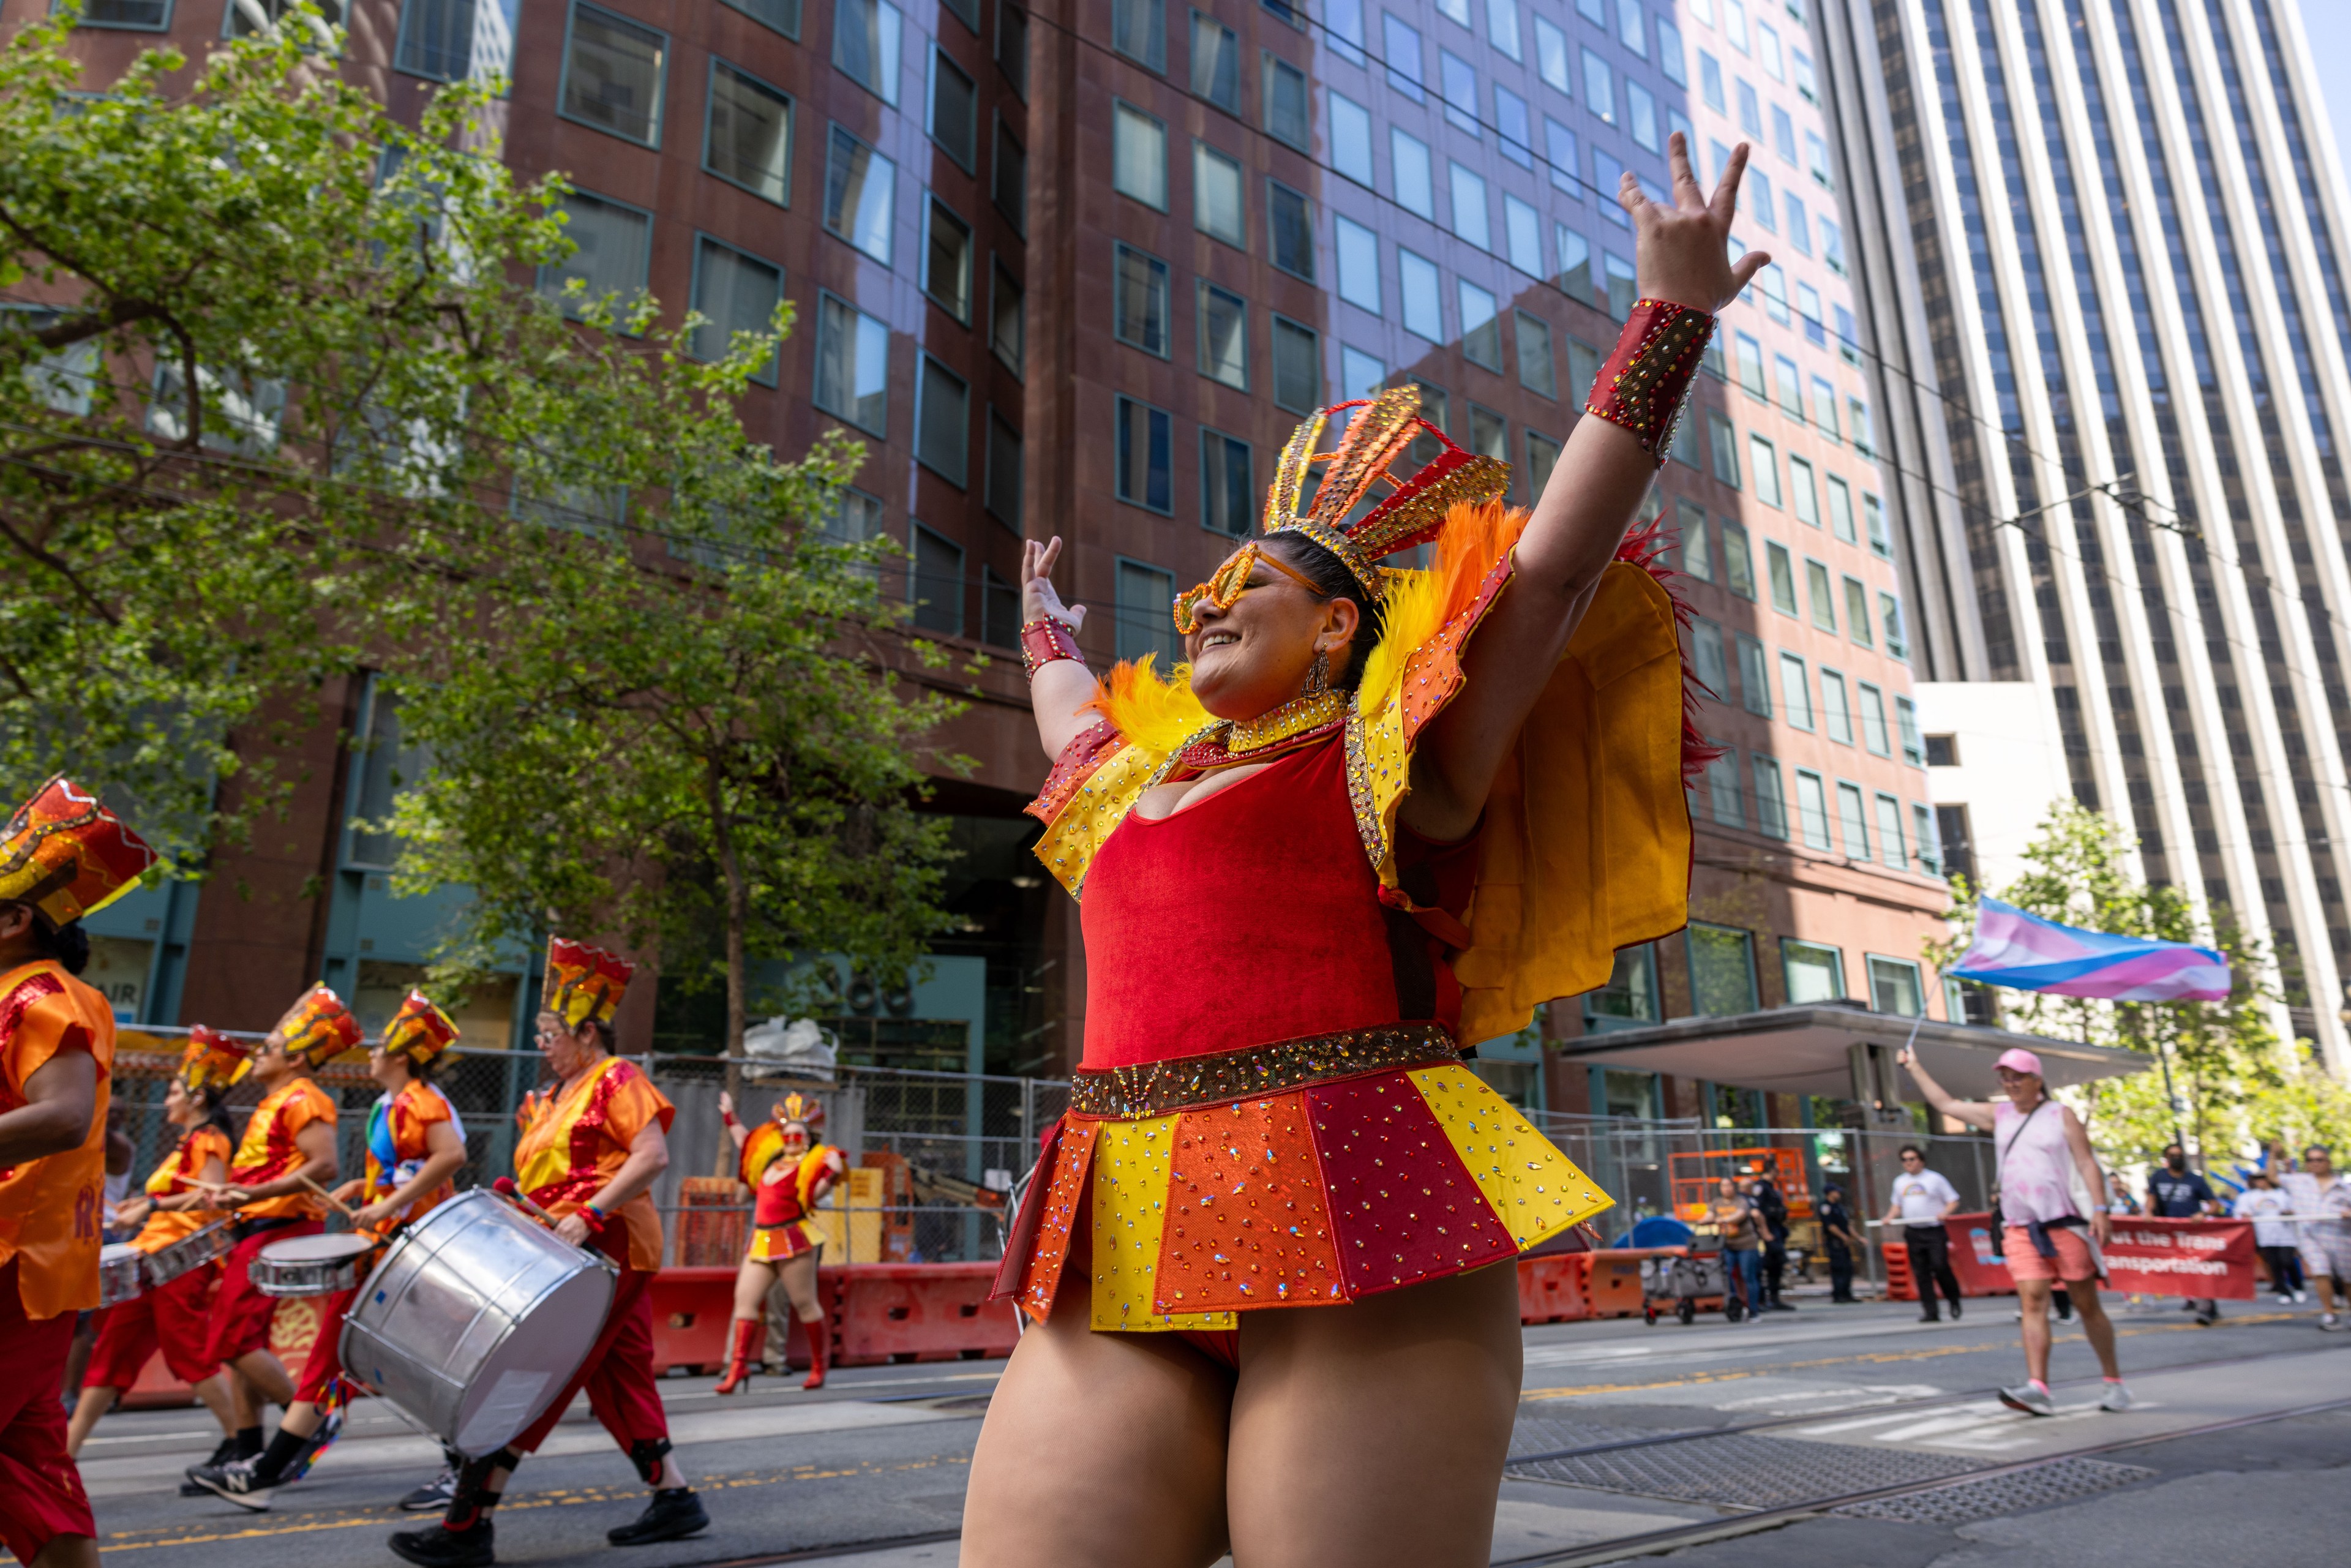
{"x": 1189, "y": 1083}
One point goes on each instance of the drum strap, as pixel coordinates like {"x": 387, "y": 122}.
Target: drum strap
{"x": 647, "y": 1454}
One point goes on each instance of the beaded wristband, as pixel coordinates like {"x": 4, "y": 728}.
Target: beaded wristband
{"x": 1044, "y": 640}
{"x": 1648, "y": 380}
{"x": 596, "y": 1218}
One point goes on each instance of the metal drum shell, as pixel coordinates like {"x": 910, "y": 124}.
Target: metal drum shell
{"x": 474, "y": 1321}
{"x": 121, "y": 1274}
{"x": 190, "y": 1252}
{"x": 341, "y": 1265}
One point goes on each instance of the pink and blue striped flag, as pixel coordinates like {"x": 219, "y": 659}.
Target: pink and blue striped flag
{"x": 2027, "y": 953}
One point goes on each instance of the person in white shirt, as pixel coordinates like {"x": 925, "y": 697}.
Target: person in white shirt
{"x": 2261, "y": 1203}
{"x": 2320, "y": 1202}
{"x": 1922, "y": 1200}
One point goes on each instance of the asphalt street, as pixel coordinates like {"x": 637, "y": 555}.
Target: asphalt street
{"x": 1820, "y": 1403}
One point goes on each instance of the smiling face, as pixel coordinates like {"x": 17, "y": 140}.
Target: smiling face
{"x": 1255, "y": 653}
{"x": 179, "y": 1105}
{"x": 2023, "y": 1089}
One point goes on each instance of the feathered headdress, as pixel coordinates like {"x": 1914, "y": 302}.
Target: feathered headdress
{"x": 67, "y": 855}
{"x": 418, "y": 1030}
{"x": 317, "y": 1028}
{"x": 213, "y": 1060}
{"x": 805, "y": 1108}
{"x": 583, "y": 982}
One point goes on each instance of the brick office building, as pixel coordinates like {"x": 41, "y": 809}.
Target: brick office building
{"x": 1080, "y": 270}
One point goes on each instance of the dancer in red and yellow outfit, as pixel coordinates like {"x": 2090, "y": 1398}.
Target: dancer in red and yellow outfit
{"x": 414, "y": 1145}
{"x": 62, "y": 855}
{"x": 1379, "y": 817}
{"x": 182, "y": 1198}
{"x": 589, "y": 1153}
{"x": 288, "y": 1152}
{"x": 788, "y": 1174}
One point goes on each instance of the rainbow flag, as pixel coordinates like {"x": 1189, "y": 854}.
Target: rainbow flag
{"x": 2026, "y": 953}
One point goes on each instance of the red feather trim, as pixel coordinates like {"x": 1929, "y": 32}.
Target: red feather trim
{"x": 1645, "y": 546}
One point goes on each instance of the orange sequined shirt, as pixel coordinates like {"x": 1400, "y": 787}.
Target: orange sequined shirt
{"x": 267, "y": 1150}
{"x": 178, "y": 1174}
{"x": 52, "y": 1208}
{"x": 577, "y": 1139}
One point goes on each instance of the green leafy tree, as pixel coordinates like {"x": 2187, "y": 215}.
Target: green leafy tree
{"x": 2237, "y": 1082}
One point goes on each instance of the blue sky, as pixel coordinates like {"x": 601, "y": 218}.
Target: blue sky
{"x": 2327, "y": 24}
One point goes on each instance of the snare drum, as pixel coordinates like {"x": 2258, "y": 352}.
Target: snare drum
{"x": 121, "y": 1274}
{"x": 311, "y": 1265}
{"x": 475, "y": 1320}
{"x": 190, "y": 1252}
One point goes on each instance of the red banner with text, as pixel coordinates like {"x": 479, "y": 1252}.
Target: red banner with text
{"x": 2199, "y": 1258}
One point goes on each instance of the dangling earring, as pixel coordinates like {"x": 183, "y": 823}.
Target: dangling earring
{"x": 1318, "y": 676}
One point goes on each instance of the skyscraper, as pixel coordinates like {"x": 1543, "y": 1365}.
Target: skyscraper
{"x": 2099, "y": 246}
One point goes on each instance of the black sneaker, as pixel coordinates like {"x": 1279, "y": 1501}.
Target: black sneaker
{"x": 1955, "y": 1311}
{"x": 670, "y": 1515}
{"x": 434, "y": 1496}
{"x": 438, "y": 1546}
{"x": 241, "y": 1481}
{"x": 189, "y": 1486}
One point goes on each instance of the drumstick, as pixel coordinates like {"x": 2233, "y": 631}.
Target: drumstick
{"x": 505, "y": 1187}
{"x": 332, "y": 1201}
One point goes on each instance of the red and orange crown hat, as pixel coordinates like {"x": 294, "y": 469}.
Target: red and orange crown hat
{"x": 213, "y": 1060}
{"x": 318, "y": 1028}
{"x": 805, "y": 1108}
{"x": 67, "y": 855}
{"x": 1410, "y": 512}
{"x": 583, "y": 983}
{"x": 418, "y": 1030}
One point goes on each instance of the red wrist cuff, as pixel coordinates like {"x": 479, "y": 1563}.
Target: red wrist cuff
{"x": 1646, "y": 381}
{"x": 1045, "y": 641}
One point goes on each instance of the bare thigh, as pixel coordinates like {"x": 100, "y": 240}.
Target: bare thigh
{"x": 753, "y": 1281}
{"x": 1100, "y": 1450}
{"x": 1374, "y": 1433}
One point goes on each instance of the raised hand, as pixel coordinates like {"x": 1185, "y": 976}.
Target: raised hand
{"x": 1680, "y": 253}
{"x": 1038, "y": 596}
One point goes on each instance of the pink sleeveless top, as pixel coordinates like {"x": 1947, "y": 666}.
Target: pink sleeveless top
{"x": 2033, "y": 1163}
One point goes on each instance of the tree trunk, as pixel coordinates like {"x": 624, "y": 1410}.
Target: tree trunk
{"x": 739, "y": 911}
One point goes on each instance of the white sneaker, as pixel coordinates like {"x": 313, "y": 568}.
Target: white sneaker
{"x": 2300, "y": 1296}
{"x": 2330, "y": 1322}
{"x": 2033, "y": 1401}
{"x": 2116, "y": 1397}
{"x": 2285, "y": 1298}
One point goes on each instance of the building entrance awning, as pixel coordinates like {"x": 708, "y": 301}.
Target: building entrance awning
{"x": 1812, "y": 1049}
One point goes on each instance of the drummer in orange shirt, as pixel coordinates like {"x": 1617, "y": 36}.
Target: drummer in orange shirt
{"x": 174, "y": 1316}
{"x": 62, "y": 856}
{"x": 589, "y": 1151}
{"x": 414, "y": 1145}
{"x": 289, "y": 1144}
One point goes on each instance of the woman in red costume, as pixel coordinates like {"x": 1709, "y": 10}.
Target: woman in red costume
{"x": 1378, "y": 819}
{"x": 788, "y": 1174}
{"x": 415, "y": 1144}
{"x": 174, "y": 1316}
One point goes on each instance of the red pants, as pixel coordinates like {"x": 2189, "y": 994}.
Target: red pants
{"x": 325, "y": 1362}
{"x": 40, "y": 1490}
{"x": 174, "y": 1318}
{"x": 618, "y": 1372}
{"x": 240, "y": 1324}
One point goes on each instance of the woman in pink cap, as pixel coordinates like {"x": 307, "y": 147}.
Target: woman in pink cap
{"x": 2053, "y": 1221}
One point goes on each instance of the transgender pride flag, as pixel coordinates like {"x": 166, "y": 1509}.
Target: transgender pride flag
{"x": 2027, "y": 953}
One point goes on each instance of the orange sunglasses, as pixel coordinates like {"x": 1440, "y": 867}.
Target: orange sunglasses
{"x": 1230, "y": 581}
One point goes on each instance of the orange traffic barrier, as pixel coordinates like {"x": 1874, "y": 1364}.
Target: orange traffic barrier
{"x": 1615, "y": 1283}
{"x": 920, "y": 1311}
{"x": 1551, "y": 1288}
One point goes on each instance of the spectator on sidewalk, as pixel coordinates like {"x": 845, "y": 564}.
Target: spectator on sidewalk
{"x": 2120, "y": 1200}
{"x": 1922, "y": 1200}
{"x": 1838, "y": 1241}
{"x": 2320, "y": 1204}
{"x": 2175, "y": 1192}
{"x": 1772, "y": 1210}
{"x": 2049, "y": 1189}
{"x": 1734, "y": 1220}
{"x": 2262, "y": 1202}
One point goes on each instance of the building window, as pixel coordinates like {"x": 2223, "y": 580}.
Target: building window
{"x": 1228, "y": 488}
{"x": 1813, "y": 809}
{"x": 1804, "y": 497}
{"x": 137, "y": 15}
{"x": 1008, "y": 184}
{"x": 1750, "y": 367}
{"x": 739, "y": 293}
{"x": 1841, "y": 510}
{"x": 1006, "y": 305}
{"x": 1722, "y": 969}
{"x": 1361, "y": 376}
{"x": 748, "y": 139}
{"x": 947, "y": 261}
{"x": 1795, "y": 691}
{"x": 1289, "y": 117}
{"x": 852, "y": 365}
{"x": 1889, "y": 620}
{"x": 1856, "y": 611}
{"x": 1351, "y": 139}
{"x": 865, "y": 36}
{"x": 1698, "y": 555}
{"x": 1138, "y": 155}
{"x": 1003, "y": 471}
{"x": 1722, "y": 441}
{"x": 1471, "y": 219}
{"x": 1481, "y": 333}
{"x": 1855, "y": 821}
{"x": 1292, "y": 228}
{"x": 1224, "y": 335}
{"x": 999, "y": 611}
{"x": 1824, "y": 414}
{"x": 1559, "y": 151}
{"x": 1906, "y": 721}
{"x": 1817, "y": 591}
{"x": 1013, "y": 46}
{"x": 1417, "y": 278}
{"x": 1583, "y": 369}
{"x": 1724, "y": 799}
{"x": 1297, "y": 367}
{"x": 1140, "y": 290}
{"x": 1619, "y": 280}
{"x": 1551, "y": 58}
{"x": 1891, "y": 851}
{"x": 1836, "y": 711}
{"x": 1873, "y": 719}
{"x": 1514, "y": 124}
{"x": 1930, "y": 847}
{"x": 1812, "y": 972}
{"x": 935, "y": 583}
{"x": 612, "y": 246}
{"x": 942, "y": 422}
{"x": 1403, "y": 57}
{"x": 446, "y": 40}
{"x": 1218, "y": 204}
{"x": 613, "y": 71}
{"x": 1783, "y": 577}
{"x": 967, "y": 12}
{"x": 1765, "y": 459}
{"x": 1542, "y": 456}
{"x": 1641, "y": 114}
{"x": 1356, "y": 252}
{"x": 1416, "y": 177}
{"x": 1738, "y": 564}
{"x": 1864, "y": 434}
{"x": 860, "y": 190}
{"x": 1629, "y": 1000}
{"x": 1138, "y": 29}
{"x": 1522, "y": 233}
{"x": 1146, "y": 442}
{"x": 1458, "y": 84}
{"x": 1895, "y": 987}
{"x": 1537, "y": 372}
{"x": 955, "y": 111}
{"x": 1489, "y": 433}
{"x": 1770, "y": 800}
{"x": 1754, "y": 673}
{"x": 1216, "y": 63}
{"x": 1599, "y": 93}
{"x": 1145, "y": 628}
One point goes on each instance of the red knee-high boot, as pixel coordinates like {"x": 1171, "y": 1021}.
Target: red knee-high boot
{"x": 743, "y": 1358}
{"x": 819, "y": 1342}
